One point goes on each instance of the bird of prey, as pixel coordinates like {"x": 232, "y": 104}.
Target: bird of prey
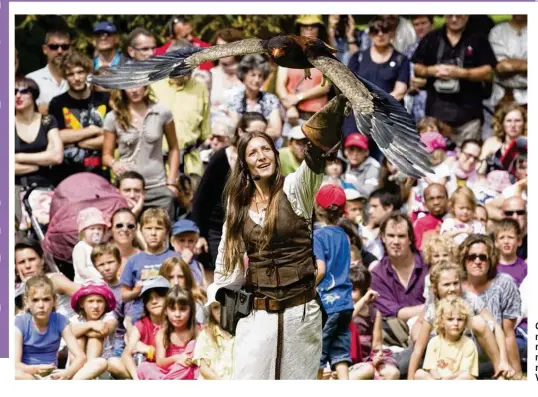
{"x": 376, "y": 113}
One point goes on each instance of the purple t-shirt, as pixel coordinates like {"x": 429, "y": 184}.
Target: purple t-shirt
{"x": 518, "y": 270}
{"x": 393, "y": 296}
{"x": 138, "y": 267}
{"x": 38, "y": 348}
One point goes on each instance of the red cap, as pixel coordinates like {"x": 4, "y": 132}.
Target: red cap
{"x": 331, "y": 194}
{"x": 358, "y": 140}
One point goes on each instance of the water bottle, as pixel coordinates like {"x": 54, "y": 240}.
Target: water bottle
{"x": 139, "y": 358}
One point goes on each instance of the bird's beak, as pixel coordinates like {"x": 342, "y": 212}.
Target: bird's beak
{"x": 277, "y": 52}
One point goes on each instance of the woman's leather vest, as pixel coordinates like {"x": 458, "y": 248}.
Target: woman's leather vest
{"x": 286, "y": 267}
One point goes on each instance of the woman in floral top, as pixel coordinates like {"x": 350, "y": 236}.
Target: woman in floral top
{"x": 253, "y": 71}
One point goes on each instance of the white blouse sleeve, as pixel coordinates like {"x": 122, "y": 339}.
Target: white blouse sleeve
{"x": 221, "y": 279}
{"x": 300, "y": 188}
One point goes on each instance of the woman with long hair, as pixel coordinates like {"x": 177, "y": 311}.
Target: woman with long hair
{"x": 269, "y": 218}
{"x": 137, "y": 126}
{"x": 208, "y": 208}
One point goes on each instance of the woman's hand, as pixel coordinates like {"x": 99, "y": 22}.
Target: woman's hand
{"x": 504, "y": 370}
{"x": 120, "y": 168}
{"x": 201, "y": 246}
{"x": 292, "y": 114}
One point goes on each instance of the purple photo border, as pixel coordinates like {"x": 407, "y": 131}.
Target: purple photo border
{"x": 6, "y": 180}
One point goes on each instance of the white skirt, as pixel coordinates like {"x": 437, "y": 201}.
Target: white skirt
{"x": 255, "y": 347}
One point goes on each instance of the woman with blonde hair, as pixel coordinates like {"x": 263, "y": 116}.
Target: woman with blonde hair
{"x": 509, "y": 123}
{"x": 136, "y": 126}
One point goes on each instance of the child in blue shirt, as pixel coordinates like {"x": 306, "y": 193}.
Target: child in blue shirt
{"x": 185, "y": 234}
{"x": 332, "y": 252}
{"x": 155, "y": 227}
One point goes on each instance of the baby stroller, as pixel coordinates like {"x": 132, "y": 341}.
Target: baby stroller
{"x": 74, "y": 194}
{"x": 38, "y": 225}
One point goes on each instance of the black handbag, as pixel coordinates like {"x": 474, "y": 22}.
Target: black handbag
{"x": 235, "y": 304}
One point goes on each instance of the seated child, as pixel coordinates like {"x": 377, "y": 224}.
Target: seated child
{"x": 177, "y": 272}
{"x": 142, "y": 337}
{"x": 185, "y": 234}
{"x": 91, "y": 229}
{"x": 450, "y": 355}
{"x": 508, "y": 240}
{"x": 213, "y": 352}
{"x": 376, "y": 362}
{"x": 462, "y": 223}
{"x": 175, "y": 342}
{"x": 106, "y": 259}
{"x": 95, "y": 325}
{"x": 38, "y": 332}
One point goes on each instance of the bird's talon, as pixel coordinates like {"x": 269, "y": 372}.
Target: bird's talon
{"x": 307, "y": 74}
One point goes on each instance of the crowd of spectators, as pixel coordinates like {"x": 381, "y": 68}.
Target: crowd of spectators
{"x": 423, "y": 254}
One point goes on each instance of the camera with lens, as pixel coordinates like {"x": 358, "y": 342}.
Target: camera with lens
{"x": 451, "y": 86}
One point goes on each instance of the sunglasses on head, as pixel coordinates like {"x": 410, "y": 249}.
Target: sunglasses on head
{"x": 22, "y": 91}
{"x": 482, "y": 257}
{"x": 518, "y": 212}
{"x": 56, "y": 47}
{"x": 129, "y": 226}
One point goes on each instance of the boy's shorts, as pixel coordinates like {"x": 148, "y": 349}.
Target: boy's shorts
{"x": 336, "y": 339}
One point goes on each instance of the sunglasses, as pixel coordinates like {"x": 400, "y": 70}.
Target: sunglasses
{"x": 56, "y": 47}
{"x": 219, "y": 138}
{"x": 518, "y": 212}
{"x": 383, "y": 30}
{"x": 471, "y": 156}
{"x": 102, "y": 33}
{"x": 22, "y": 91}
{"x": 472, "y": 257}
{"x": 144, "y": 49}
{"x": 129, "y": 226}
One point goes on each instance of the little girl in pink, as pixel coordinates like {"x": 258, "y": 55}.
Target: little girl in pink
{"x": 175, "y": 342}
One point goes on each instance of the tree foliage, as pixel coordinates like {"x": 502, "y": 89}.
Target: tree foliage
{"x": 30, "y": 30}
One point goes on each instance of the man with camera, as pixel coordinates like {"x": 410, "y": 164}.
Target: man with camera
{"x": 459, "y": 66}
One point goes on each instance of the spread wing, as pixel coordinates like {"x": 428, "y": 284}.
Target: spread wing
{"x": 172, "y": 64}
{"x": 380, "y": 115}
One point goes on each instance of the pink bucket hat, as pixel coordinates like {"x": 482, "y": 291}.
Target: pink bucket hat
{"x": 498, "y": 180}
{"x": 89, "y": 217}
{"x": 93, "y": 288}
{"x": 433, "y": 141}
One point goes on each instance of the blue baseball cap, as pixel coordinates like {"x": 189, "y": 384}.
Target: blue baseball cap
{"x": 105, "y": 26}
{"x": 183, "y": 226}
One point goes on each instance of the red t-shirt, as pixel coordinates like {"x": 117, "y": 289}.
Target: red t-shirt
{"x": 195, "y": 42}
{"x": 423, "y": 225}
{"x": 147, "y": 331}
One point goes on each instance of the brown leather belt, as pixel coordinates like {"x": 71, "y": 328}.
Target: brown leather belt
{"x": 273, "y": 305}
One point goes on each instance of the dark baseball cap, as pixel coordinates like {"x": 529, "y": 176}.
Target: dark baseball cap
{"x": 105, "y": 26}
